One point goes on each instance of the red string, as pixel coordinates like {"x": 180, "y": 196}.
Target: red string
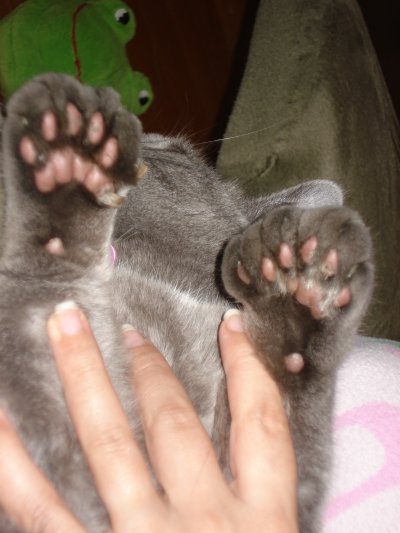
{"x": 74, "y": 42}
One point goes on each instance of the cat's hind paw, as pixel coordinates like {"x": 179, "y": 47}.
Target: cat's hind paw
{"x": 65, "y": 132}
{"x": 320, "y": 258}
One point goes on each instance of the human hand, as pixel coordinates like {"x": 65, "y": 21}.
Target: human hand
{"x": 262, "y": 495}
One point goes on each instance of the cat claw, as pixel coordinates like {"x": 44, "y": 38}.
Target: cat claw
{"x": 109, "y": 199}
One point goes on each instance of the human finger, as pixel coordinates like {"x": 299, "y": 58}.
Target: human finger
{"x": 173, "y": 431}
{"x": 116, "y": 462}
{"x": 262, "y": 455}
{"x": 26, "y": 495}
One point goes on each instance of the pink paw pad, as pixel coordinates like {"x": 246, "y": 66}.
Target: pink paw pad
{"x": 307, "y": 285}
{"x": 307, "y": 251}
{"x": 49, "y": 126}
{"x": 109, "y": 153}
{"x": 285, "y": 256}
{"x": 55, "y": 246}
{"x": 243, "y": 274}
{"x": 95, "y": 130}
{"x": 268, "y": 269}
{"x": 330, "y": 265}
{"x": 75, "y": 121}
{"x": 28, "y": 151}
{"x": 294, "y": 363}
{"x": 63, "y": 165}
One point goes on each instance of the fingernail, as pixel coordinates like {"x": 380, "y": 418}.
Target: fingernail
{"x": 234, "y": 320}
{"x": 132, "y": 338}
{"x": 69, "y": 318}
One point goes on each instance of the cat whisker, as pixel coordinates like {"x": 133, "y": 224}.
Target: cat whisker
{"x": 246, "y": 134}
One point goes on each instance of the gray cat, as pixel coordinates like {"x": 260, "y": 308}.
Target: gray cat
{"x": 189, "y": 246}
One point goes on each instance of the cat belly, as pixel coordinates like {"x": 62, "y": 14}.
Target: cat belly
{"x": 182, "y": 325}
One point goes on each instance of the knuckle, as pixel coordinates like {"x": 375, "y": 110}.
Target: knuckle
{"x": 81, "y": 370}
{"x": 144, "y": 520}
{"x": 269, "y": 421}
{"x": 173, "y": 416}
{"x": 111, "y": 441}
{"x": 148, "y": 361}
{"x": 214, "y": 521}
{"x": 39, "y": 517}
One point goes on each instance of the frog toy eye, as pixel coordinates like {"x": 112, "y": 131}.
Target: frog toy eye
{"x": 122, "y": 16}
{"x": 144, "y": 97}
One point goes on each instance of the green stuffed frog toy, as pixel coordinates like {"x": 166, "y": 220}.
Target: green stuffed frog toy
{"x": 84, "y": 39}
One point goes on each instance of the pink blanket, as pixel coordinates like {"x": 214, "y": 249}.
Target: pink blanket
{"x": 364, "y": 496}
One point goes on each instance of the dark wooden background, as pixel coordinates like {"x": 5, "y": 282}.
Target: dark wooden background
{"x": 194, "y": 53}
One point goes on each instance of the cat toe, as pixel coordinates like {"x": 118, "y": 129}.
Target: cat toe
{"x": 268, "y": 269}
{"x": 109, "y": 153}
{"x": 285, "y": 256}
{"x": 74, "y": 120}
{"x": 95, "y": 129}
{"x": 49, "y": 126}
{"x": 28, "y": 151}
